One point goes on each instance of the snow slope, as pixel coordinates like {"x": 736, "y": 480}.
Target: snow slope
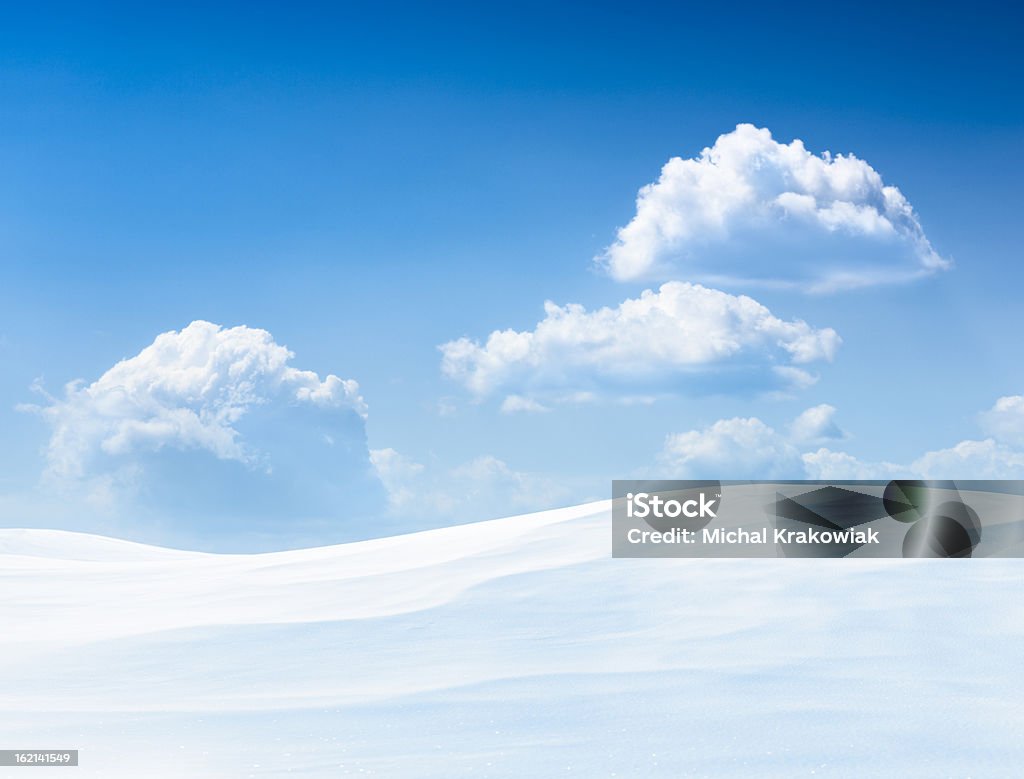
{"x": 515, "y": 647}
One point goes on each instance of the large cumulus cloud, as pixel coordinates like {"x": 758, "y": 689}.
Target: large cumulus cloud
{"x": 186, "y": 390}
{"x": 679, "y": 335}
{"x": 751, "y": 209}
{"x": 212, "y": 424}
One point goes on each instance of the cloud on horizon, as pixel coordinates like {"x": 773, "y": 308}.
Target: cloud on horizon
{"x": 210, "y": 424}
{"x": 187, "y": 390}
{"x": 674, "y": 339}
{"x": 999, "y": 456}
{"x": 749, "y": 209}
{"x": 483, "y": 488}
{"x": 747, "y": 448}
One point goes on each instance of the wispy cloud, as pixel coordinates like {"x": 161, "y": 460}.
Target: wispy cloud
{"x": 484, "y": 487}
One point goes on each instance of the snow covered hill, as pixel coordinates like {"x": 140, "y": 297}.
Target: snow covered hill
{"x": 515, "y": 647}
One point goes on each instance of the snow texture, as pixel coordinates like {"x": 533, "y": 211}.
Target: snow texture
{"x": 515, "y": 647}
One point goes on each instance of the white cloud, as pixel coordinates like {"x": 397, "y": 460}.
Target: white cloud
{"x": 747, "y": 448}
{"x": 830, "y": 466}
{"x": 752, "y": 209}
{"x": 483, "y": 487}
{"x": 189, "y": 389}
{"x": 985, "y": 459}
{"x": 1005, "y": 420}
{"x": 735, "y": 448}
{"x": 674, "y": 335}
{"x": 999, "y": 457}
{"x": 399, "y": 475}
{"x": 517, "y": 403}
{"x": 445, "y": 407}
{"x": 816, "y": 424}
{"x": 210, "y": 438}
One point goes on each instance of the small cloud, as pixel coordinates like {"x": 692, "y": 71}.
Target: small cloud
{"x": 1005, "y": 420}
{"x": 399, "y": 475}
{"x": 478, "y": 489}
{"x": 752, "y": 210}
{"x": 827, "y": 465}
{"x": 445, "y": 407}
{"x": 514, "y": 404}
{"x": 815, "y": 425}
{"x": 794, "y": 378}
{"x": 738, "y": 448}
{"x": 638, "y": 400}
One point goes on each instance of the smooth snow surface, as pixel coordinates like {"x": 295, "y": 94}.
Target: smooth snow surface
{"x": 515, "y": 647}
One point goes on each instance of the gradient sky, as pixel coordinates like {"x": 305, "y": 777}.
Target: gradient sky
{"x": 368, "y": 183}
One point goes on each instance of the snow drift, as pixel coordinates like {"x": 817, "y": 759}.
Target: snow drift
{"x": 515, "y": 647}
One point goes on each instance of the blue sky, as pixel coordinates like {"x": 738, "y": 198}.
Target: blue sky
{"x": 369, "y": 184}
